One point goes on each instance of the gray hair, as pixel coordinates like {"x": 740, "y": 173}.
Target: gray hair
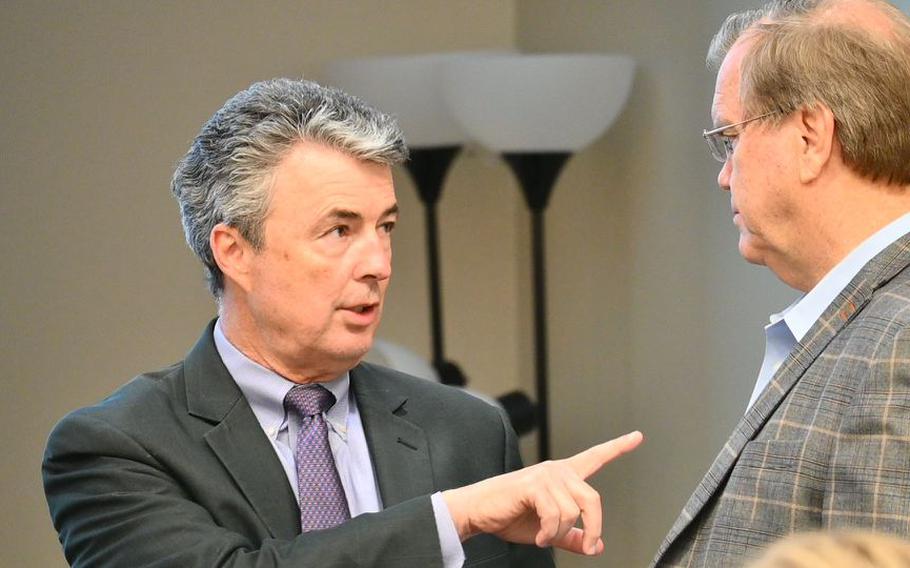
{"x": 225, "y": 176}
{"x": 801, "y": 57}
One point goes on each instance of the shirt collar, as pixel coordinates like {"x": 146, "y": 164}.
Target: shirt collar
{"x": 265, "y": 389}
{"x": 802, "y": 314}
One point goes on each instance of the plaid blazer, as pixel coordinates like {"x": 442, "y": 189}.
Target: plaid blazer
{"x": 827, "y": 444}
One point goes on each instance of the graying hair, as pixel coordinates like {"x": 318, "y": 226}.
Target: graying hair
{"x": 225, "y": 176}
{"x": 800, "y": 59}
{"x": 730, "y": 31}
{"x": 776, "y": 10}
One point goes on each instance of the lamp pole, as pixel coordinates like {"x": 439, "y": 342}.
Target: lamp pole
{"x": 537, "y": 173}
{"x": 428, "y": 168}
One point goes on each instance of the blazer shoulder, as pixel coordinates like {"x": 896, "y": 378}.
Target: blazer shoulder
{"x": 888, "y": 310}
{"x": 895, "y": 291}
{"x": 142, "y": 400}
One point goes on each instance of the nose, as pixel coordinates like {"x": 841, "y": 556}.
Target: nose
{"x": 375, "y": 258}
{"x": 723, "y": 177}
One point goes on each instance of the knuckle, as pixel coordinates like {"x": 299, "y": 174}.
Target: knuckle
{"x": 592, "y": 496}
{"x": 569, "y": 516}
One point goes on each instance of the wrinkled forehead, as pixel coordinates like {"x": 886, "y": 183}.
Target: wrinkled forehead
{"x": 727, "y": 103}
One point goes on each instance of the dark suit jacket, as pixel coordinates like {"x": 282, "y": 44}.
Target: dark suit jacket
{"x": 174, "y": 470}
{"x": 827, "y": 444}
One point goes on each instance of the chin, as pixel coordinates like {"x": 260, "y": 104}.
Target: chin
{"x": 354, "y": 352}
{"x": 749, "y": 252}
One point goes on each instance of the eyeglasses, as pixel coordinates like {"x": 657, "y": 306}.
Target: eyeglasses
{"x": 720, "y": 140}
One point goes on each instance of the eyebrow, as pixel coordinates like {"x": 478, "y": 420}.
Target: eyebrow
{"x": 719, "y": 121}
{"x": 719, "y": 129}
{"x": 347, "y": 214}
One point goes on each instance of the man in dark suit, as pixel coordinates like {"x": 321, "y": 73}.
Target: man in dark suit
{"x": 270, "y": 444}
{"x": 812, "y": 124}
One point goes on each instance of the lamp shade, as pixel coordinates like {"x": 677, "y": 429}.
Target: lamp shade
{"x": 536, "y": 103}
{"x": 407, "y": 86}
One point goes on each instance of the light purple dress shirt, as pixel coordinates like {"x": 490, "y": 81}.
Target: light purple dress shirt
{"x": 265, "y": 391}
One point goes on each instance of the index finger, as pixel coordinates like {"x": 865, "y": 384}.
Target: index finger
{"x": 589, "y": 462}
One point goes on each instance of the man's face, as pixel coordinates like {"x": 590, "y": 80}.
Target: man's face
{"x": 315, "y": 290}
{"x": 760, "y": 174}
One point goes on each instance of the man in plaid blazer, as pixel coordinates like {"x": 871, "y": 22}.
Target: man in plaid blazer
{"x": 812, "y": 124}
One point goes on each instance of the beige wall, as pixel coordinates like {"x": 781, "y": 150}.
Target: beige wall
{"x": 670, "y": 338}
{"x": 655, "y": 322}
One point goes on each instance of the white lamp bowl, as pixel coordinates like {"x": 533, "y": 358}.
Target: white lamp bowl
{"x": 407, "y": 86}
{"x": 536, "y": 103}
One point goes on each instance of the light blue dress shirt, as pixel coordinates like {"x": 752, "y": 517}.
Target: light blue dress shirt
{"x": 789, "y": 326}
{"x": 265, "y": 391}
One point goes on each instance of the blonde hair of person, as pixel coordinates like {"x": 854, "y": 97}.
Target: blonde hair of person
{"x": 847, "y": 549}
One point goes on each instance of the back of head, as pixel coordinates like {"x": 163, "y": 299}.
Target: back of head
{"x": 225, "y": 175}
{"x": 852, "y": 549}
{"x": 852, "y": 56}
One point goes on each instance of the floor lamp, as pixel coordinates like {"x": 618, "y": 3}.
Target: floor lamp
{"x": 536, "y": 111}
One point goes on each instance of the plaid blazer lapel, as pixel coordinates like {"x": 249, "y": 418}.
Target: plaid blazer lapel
{"x": 848, "y": 303}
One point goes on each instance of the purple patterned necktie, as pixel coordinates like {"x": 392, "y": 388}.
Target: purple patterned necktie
{"x": 322, "y": 501}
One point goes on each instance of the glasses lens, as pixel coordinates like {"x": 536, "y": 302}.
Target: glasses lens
{"x": 717, "y": 146}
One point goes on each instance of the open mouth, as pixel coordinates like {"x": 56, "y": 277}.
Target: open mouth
{"x": 363, "y": 308}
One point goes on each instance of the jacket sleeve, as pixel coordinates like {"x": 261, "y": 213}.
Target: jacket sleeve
{"x": 113, "y": 504}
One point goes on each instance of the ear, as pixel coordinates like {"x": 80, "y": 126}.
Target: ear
{"x": 816, "y": 126}
{"x": 232, "y": 254}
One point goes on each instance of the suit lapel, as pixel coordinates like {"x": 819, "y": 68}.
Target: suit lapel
{"x": 237, "y": 438}
{"x": 398, "y": 447}
{"x": 844, "y": 308}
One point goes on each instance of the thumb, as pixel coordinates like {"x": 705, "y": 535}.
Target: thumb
{"x": 573, "y": 541}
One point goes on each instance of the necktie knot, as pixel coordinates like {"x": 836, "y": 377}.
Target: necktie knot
{"x": 309, "y": 400}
